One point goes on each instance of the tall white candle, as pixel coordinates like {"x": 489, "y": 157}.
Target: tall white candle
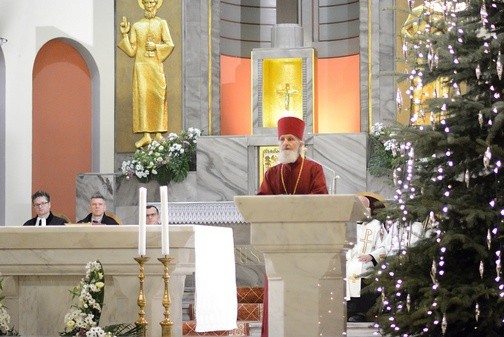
{"x": 165, "y": 232}
{"x": 142, "y": 228}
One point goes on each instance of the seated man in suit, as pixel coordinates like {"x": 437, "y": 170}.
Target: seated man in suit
{"x": 152, "y": 215}
{"x": 41, "y": 202}
{"x": 97, "y": 216}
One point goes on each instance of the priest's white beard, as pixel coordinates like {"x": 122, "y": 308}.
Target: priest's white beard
{"x": 288, "y": 156}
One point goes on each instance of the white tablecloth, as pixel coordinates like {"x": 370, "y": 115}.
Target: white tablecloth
{"x": 215, "y": 299}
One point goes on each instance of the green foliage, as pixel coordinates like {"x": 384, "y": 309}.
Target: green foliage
{"x": 380, "y": 160}
{"x": 382, "y": 149}
{"x": 166, "y": 160}
{"x": 125, "y": 329}
{"x": 450, "y": 284}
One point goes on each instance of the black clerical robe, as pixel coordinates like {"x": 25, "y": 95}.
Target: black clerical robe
{"x": 106, "y": 220}
{"x": 50, "y": 221}
{"x": 298, "y": 178}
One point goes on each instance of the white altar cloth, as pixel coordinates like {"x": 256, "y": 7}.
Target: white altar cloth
{"x": 215, "y": 299}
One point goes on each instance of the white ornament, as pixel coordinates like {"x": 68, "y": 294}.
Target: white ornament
{"x": 411, "y": 3}
{"x": 399, "y": 100}
{"x": 499, "y": 66}
{"x": 486, "y": 157}
{"x": 444, "y": 324}
{"x": 483, "y": 13}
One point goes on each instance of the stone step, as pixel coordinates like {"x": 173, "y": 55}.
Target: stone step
{"x": 250, "y": 294}
{"x": 242, "y": 330}
{"x": 249, "y": 316}
{"x": 250, "y": 312}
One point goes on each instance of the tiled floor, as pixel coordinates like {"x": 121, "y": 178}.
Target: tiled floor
{"x": 361, "y": 330}
{"x": 353, "y": 330}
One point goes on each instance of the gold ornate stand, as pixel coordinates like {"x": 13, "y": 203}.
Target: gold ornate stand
{"x": 166, "y": 323}
{"x": 141, "y": 321}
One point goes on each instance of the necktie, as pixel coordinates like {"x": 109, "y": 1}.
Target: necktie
{"x": 41, "y": 222}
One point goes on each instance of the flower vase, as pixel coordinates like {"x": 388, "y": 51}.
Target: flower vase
{"x": 144, "y": 180}
{"x": 164, "y": 176}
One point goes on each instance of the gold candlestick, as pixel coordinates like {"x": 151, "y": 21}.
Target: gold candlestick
{"x": 166, "y": 323}
{"x": 141, "y": 301}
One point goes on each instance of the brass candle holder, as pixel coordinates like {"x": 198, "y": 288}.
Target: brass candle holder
{"x": 166, "y": 323}
{"x": 141, "y": 301}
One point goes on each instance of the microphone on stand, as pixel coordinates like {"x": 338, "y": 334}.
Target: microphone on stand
{"x": 334, "y": 179}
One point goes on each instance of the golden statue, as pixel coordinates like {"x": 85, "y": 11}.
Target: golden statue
{"x": 422, "y": 20}
{"x": 150, "y": 43}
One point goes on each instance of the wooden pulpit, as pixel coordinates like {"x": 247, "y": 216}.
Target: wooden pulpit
{"x": 304, "y": 239}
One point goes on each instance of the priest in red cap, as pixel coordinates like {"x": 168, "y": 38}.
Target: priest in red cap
{"x": 294, "y": 174}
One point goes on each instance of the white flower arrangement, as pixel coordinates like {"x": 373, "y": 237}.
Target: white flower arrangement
{"x": 164, "y": 160}
{"x": 83, "y": 319}
{"x": 5, "y": 328}
{"x": 4, "y": 320}
{"x": 379, "y": 131}
{"x": 86, "y": 314}
{"x": 96, "y": 332}
{"x": 383, "y": 150}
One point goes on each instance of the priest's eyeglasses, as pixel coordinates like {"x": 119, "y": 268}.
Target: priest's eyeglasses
{"x": 41, "y": 204}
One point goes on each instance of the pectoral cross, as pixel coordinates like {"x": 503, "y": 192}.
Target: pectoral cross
{"x": 287, "y": 94}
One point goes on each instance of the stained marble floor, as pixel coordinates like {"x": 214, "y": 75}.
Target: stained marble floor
{"x": 353, "y": 330}
{"x": 363, "y": 329}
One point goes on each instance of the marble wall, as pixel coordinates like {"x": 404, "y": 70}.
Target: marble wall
{"x": 228, "y": 165}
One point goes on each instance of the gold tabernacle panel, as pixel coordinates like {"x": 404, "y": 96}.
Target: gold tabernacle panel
{"x": 282, "y": 89}
{"x": 268, "y": 157}
{"x": 283, "y": 84}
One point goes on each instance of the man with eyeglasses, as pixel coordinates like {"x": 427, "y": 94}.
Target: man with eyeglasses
{"x": 41, "y": 202}
{"x": 152, "y": 215}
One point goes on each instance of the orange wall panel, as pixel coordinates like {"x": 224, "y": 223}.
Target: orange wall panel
{"x": 236, "y": 96}
{"x": 61, "y": 123}
{"x": 337, "y": 96}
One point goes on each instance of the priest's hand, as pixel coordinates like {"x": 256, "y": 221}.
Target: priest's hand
{"x": 365, "y": 258}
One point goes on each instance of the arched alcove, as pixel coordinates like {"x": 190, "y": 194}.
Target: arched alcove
{"x": 62, "y": 122}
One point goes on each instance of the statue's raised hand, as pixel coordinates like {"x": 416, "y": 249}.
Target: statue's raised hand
{"x": 124, "y": 26}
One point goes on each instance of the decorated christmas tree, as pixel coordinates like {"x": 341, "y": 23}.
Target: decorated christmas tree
{"x": 449, "y": 178}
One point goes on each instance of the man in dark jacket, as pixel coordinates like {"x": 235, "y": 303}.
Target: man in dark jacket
{"x": 41, "y": 202}
{"x": 97, "y": 215}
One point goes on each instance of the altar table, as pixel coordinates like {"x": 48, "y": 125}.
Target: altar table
{"x": 41, "y": 264}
